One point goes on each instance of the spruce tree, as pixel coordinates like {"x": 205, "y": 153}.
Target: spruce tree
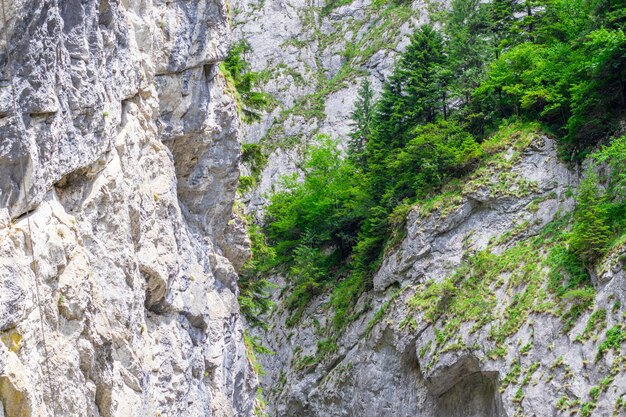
{"x": 415, "y": 94}
{"x": 361, "y": 118}
{"x": 469, "y": 47}
{"x": 591, "y": 232}
{"x": 502, "y": 20}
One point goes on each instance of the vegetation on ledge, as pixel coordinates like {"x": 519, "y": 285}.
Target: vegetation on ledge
{"x": 455, "y": 99}
{"x": 242, "y": 84}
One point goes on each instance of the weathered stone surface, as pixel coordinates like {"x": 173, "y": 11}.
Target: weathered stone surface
{"x": 388, "y": 366}
{"x": 435, "y": 245}
{"x": 118, "y": 169}
{"x": 390, "y": 369}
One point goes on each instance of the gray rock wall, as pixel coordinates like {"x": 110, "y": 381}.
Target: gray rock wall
{"x": 392, "y": 360}
{"x": 118, "y": 248}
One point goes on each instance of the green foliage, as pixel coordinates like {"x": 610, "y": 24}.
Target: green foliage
{"x": 252, "y": 154}
{"x": 313, "y": 224}
{"x": 597, "y": 321}
{"x": 569, "y": 281}
{"x": 614, "y": 156}
{"x": 254, "y": 300}
{"x": 361, "y": 120}
{"x": 591, "y": 231}
{"x": 253, "y": 348}
{"x": 309, "y": 270}
{"x": 246, "y": 183}
{"x": 501, "y": 19}
{"x": 243, "y": 81}
{"x": 526, "y": 348}
{"x": 569, "y": 73}
{"x": 580, "y": 300}
{"x": 620, "y": 403}
{"x": 469, "y": 47}
{"x": 324, "y": 210}
{"x": 512, "y": 376}
{"x": 331, "y": 227}
{"x": 562, "y": 403}
{"x": 598, "y": 96}
{"x": 380, "y": 313}
{"x": 566, "y": 270}
{"x": 254, "y": 158}
{"x": 413, "y": 95}
{"x": 587, "y": 408}
{"x": 558, "y": 63}
{"x": 435, "y": 153}
{"x": 613, "y": 339}
{"x": 331, "y": 5}
{"x": 599, "y": 217}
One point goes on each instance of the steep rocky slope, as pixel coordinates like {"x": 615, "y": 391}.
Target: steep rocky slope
{"x": 460, "y": 321}
{"x": 118, "y": 250}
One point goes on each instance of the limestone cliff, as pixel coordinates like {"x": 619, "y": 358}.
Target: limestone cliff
{"x": 118, "y": 249}
{"x": 459, "y": 322}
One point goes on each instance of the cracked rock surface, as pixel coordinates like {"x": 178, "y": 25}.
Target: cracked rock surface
{"x": 313, "y": 62}
{"x": 119, "y": 158}
{"x": 394, "y": 359}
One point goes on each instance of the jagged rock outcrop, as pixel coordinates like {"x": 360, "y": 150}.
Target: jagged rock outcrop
{"x": 118, "y": 248}
{"x": 413, "y": 352}
{"x": 410, "y": 351}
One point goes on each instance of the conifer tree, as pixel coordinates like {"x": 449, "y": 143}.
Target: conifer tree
{"x": 591, "y": 232}
{"x": 469, "y": 47}
{"x": 609, "y": 13}
{"x": 502, "y": 19}
{"x": 361, "y": 119}
{"x": 414, "y": 95}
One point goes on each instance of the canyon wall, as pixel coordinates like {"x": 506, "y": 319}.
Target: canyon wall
{"x": 119, "y": 156}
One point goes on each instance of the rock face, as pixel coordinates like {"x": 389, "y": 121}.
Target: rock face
{"x": 410, "y": 352}
{"x": 403, "y": 358}
{"x": 313, "y": 58}
{"x": 119, "y": 160}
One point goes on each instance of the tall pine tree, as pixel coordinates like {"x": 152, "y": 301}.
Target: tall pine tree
{"x": 414, "y": 95}
{"x": 502, "y": 20}
{"x": 469, "y": 47}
